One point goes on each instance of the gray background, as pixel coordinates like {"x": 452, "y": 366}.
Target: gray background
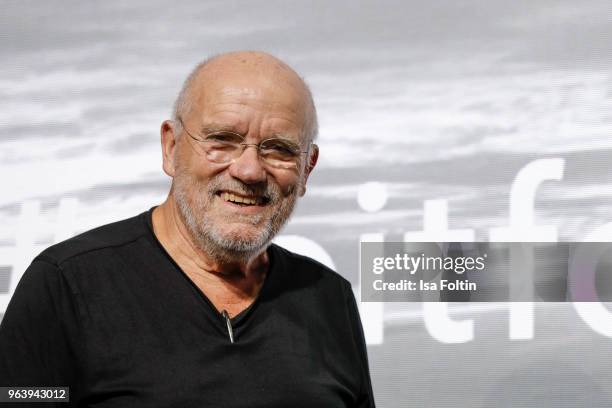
{"x": 438, "y": 100}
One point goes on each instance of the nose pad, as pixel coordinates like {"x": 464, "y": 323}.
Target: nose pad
{"x": 248, "y": 166}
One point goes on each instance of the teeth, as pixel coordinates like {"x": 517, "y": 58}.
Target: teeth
{"x": 238, "y": 199}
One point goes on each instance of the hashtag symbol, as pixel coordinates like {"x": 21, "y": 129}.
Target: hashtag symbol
{"x": 5, "y": 275}
{"x": 30, "y": 226}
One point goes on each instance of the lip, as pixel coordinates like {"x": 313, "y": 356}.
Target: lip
{"x": 244, "y": 209}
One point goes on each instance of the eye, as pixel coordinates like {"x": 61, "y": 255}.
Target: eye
{"x": 280, "y": 148}
{"x": 224, "y": 137}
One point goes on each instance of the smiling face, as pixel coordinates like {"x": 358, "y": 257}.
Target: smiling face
{"x": 233, "y": 210}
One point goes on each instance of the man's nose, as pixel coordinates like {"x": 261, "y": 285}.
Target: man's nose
{"x": 247, "y": 167}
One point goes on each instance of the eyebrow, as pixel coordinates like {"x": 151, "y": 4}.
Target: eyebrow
{"x": 211, "y": 128}
{"x": 214, "y": 128}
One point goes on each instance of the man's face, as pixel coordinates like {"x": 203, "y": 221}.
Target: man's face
{"x": 208, "y": 194}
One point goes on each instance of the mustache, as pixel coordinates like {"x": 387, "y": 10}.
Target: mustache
{"x": 269, "y": 191}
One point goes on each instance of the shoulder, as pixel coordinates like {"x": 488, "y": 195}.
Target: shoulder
{"x": 110, "y": 235}
{"x": 301, "y": 267}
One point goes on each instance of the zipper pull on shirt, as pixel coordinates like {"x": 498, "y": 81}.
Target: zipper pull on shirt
{"x": 228, "y": 322}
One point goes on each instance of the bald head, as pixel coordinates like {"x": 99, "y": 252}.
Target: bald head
{"x": 246, "y": 68}
{"x": 233, "y": 199}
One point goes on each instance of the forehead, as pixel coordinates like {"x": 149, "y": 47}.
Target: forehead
{"x": 251, "y": 100}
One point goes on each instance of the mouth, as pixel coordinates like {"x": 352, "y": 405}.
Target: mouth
{"x": 243, "y": 200}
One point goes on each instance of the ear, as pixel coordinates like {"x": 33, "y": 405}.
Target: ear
{"x": 313, "y": 156}
{"x": 168, "y": 145}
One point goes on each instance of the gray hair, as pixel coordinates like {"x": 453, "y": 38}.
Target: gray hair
{"x": 183, "y": 103}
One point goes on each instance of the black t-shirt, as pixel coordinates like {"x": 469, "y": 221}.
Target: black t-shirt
{"x": 111, "y": 315}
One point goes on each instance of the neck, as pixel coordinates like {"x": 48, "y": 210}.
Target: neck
{"x": 173, "y": 234}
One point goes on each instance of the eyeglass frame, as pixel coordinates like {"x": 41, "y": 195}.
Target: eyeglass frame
{"x": 246, "y": 145}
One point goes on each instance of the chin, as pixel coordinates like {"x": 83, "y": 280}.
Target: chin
{"x": 235, "y": 243}
{"x": 242, "y": 236}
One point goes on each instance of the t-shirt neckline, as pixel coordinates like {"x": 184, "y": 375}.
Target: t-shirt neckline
{"x": 241, "y": 317}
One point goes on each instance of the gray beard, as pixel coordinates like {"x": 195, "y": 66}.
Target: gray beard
{"x": 205, "y": 234}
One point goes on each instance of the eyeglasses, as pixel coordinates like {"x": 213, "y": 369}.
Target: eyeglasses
{"x": 224, "y": 147}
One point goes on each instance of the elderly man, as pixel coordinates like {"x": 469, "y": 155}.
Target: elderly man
{"x": 188, "y": 304}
